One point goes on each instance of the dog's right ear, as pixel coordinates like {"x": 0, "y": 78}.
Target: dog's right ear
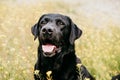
{"x": 35, "y": 31}
{"x": 35, "y": 28}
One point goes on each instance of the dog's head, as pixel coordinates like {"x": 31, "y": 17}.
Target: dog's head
{"x": 55, "y": 31}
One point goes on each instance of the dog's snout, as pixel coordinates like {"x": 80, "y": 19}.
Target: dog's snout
{"x": 47, "y": 31}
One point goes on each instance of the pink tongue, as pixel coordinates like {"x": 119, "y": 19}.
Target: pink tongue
{"x": 48, "y": 48}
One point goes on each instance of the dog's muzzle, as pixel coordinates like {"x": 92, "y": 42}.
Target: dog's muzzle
{"x": 50, "y": 50}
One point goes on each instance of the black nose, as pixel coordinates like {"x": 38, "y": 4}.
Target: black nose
{"x": 48, "y": 31}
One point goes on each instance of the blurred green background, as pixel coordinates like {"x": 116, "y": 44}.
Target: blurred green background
{"x": 98, "y": 47}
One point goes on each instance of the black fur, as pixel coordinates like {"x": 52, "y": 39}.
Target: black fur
{"x": 59, "y": 30}
{"x": 117, "y": 77}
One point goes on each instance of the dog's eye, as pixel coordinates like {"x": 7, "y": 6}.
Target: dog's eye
{"x": 60, "y": 23}
{"x": 43, "y": 22}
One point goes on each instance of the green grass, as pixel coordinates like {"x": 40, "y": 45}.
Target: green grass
{"x": 98, "y": 48}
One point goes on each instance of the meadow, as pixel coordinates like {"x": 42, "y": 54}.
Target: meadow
{"x": 98, "y": 47}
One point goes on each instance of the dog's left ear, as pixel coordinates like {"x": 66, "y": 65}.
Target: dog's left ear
{"x": 75, "y": 33}
{"x": 35, "y": 31}
{"x": 35, "y": 28}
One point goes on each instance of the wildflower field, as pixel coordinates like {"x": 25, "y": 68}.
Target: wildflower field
{"x": 98, "y": 47}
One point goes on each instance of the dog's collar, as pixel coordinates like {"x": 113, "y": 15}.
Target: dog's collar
{"x": 49, "y": 77}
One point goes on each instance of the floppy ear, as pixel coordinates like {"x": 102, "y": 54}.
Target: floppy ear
{"x": 35, "y": 28}
{"x": 35, "y": 31}
{"x": 75, "y": 33}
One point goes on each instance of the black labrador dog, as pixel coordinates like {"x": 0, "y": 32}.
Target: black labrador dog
{"x": 56, "y": 52}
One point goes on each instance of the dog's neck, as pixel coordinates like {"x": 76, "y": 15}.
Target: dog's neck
{"x": 58, "y": 64}
{"x": 52, "y": 63}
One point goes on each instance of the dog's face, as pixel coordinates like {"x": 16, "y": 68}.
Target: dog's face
{"x": 55, "y": 31}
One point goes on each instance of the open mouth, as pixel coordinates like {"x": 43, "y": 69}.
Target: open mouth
{"x": 50, "y": 49}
